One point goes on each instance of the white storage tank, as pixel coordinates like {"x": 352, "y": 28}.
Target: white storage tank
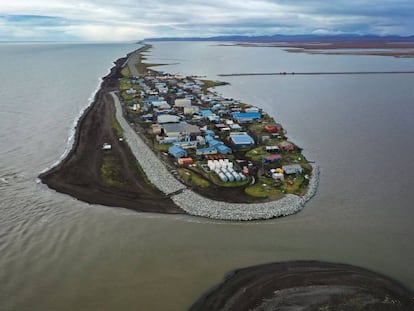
{"x": 223, "y": 177}
{"x": 230, "y": 177}
{"x": 243, "y": 177}
{"x": 236, "y": 176}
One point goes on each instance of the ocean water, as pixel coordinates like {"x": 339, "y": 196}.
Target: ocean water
{"x": 58, "y": 253}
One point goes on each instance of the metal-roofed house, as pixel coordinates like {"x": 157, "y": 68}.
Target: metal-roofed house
{"x": 292, "y": 169}
{"x": 206, "y": 113}
{"x": 223, "y": 149}
{"x": 172, "y": 129}
{"x": 182, "y": 102}
{"x": 167, "y": 118}
{"x": 241, "y": 139}
{"x": 177, "y": 152}
{"x": 245, "y": 117}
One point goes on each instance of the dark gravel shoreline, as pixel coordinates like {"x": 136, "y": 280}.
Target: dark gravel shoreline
{"x": 79, "y": 173}
{"x": 305, "y": 286}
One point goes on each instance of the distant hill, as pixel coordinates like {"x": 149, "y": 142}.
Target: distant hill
{"x": 287, "y": 38}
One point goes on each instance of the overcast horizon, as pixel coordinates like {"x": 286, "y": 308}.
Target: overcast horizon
{"x": 129, "y": 20}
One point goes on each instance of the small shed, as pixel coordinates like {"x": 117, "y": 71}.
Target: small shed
{"x": 286, "y": 146}
{"x": 292, "y": 169}
{"x": 272, "y": 158}
{"x": 273, "y": 127}
{"x": 185, "y": 161}
{"x": 272, "y": 149}
{"x": 155, "y": 129}
{"x": 177, "y": 152}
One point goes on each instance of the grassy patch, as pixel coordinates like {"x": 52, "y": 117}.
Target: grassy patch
{"x": 293, "y": 157}
{"x": 256, "y": 128}
{"x": 211, "y": 83}
{"x": 295, "y": 185}
{"x": 126, "y": 72}
{"x": 192, "y": 178}
{"x": 126, "y": 96}
{"x": 110, "y": 171}
{"x": 116, "y": 127}
{"x": 161, "y": 147}
{"x": 257, "y": 154}
{"x": 264, "y": 189}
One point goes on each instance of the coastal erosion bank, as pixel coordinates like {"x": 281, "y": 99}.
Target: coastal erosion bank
{"x": 305, "y": 285}
{"x": 80, "y": 174}
{"x": 197, "y": 205}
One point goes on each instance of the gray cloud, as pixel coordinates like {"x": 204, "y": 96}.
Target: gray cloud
{"x": 136, "y": 19}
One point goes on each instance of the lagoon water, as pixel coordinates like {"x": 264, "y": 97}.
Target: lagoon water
{"x": 61, "y": 254}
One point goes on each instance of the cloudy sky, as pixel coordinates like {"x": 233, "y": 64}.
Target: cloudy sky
{"x": 120, "y": 20}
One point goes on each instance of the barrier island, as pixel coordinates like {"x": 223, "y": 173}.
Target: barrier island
{"x": 172, "y": 138}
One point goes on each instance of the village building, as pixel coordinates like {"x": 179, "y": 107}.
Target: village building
{"x": 182, "y": 102}
{"x": 177, "y": 152}
{"x": 241, "y": 139}
{"x": 292, "y": 169}
{"x": 271, "y": 128}
{"x": 167, "y": 118}
{"x": 286, "y": 146}
{"x": 274, "y": 158}
{"x": 246, "y": 117}
{"x": 191, "y": 110}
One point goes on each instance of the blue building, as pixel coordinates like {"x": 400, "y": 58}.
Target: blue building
{"x": 244, "y": 117}
{"x": 223, "y": 149}
{"x": 241, "y": 139}
{"x": 177, "y": 152}
{"x": 205, "y": 113}
{"x": 210, "y": 133}
{"x": 206, "y": 151}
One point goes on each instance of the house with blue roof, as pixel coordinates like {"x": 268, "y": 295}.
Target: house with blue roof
{"x": 241, "y": 139}
{"x": 205, "y": 113}
{"x": 245, "y": 117}
{"x": 206, "y": 151}
{"x": 223, "y": 149}
{"x": 177, "y": 152}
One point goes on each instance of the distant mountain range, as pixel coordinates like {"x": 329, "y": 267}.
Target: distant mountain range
{"x": 285, "y": 38}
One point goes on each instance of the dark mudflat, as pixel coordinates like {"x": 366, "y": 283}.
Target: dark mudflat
{"x": 306, "y": 286}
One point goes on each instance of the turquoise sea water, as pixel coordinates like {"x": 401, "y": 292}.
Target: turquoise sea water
{"x": 61, "y": 254}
